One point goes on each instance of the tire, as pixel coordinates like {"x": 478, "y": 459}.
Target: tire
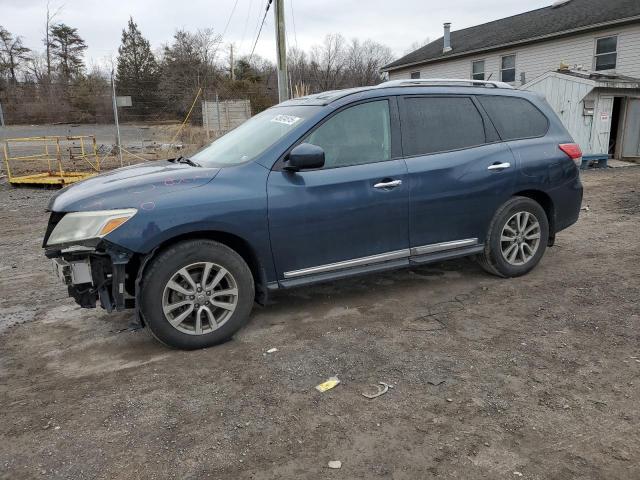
{"x": 212, "y": 311}
{"x": 498, "y": 256}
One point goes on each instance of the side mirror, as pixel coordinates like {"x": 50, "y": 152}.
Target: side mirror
{"x": 304, "y": 157}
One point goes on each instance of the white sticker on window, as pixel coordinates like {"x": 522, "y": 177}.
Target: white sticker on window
{"x": 286, "y": 119}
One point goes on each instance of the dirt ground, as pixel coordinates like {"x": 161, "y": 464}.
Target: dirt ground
{"x": 535, "y": 378}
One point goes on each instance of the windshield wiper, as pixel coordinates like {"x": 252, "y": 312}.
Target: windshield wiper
{"x": 186, "y": 160}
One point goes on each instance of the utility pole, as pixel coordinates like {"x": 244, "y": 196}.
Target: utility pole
{"x": 115, "y": 117}
{"x": 1, "y": 116}
{"x": 232, "y": 69}
{"x": 281, "y": 45}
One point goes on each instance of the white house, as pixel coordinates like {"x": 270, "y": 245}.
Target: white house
{"x": 598, "y": 41}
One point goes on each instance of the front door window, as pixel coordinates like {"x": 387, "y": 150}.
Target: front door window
{"x": 357, "y": 135}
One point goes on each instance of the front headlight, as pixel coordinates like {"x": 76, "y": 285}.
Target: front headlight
{"x": 87, "y": 225}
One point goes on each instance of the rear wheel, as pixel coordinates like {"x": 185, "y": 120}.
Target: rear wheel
{"x": 196, "y": 294}
{"x": 517, "y": 238}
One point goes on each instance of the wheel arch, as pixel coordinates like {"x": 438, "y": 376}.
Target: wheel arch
{"x": 546, "y": 202}
{"x": 238, "y": 244}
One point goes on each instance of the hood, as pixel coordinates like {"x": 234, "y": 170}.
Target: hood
{"x": 130, "y": 187}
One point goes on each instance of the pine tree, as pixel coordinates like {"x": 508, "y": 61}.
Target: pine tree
{"x": 67, "y": 47}
{"x": 182, "y": 69}
{"x": 137, "y": 73}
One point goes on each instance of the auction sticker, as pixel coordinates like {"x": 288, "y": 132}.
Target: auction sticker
{"x": 285, "y": 119}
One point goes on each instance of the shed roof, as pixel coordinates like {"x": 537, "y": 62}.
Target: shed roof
{"x": 594, "y": 79}
{"x": 536, "y": 25}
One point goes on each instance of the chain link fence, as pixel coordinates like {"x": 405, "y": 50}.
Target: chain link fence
{"x": 148, "y": 129}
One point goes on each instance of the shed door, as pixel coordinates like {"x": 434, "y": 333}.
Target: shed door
{"x": 631, "y": 143}
{"x": 602, "y": 127}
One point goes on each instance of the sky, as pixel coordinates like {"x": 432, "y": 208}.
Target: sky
{"x": 396, "y": 23}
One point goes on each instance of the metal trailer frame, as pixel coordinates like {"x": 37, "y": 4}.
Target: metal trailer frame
{"x": 55, "y": 173}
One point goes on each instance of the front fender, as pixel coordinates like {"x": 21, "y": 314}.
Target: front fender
{"x": 235, "y": 203}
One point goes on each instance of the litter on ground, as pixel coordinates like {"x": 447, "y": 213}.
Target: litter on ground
{"x": 382, "y": 389}
{"x": 328, "y": 385}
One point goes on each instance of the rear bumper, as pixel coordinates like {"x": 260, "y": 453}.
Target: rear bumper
{"x": 567, "y": 201}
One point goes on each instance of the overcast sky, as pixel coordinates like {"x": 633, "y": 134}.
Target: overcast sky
{"x": 396, "y": 23}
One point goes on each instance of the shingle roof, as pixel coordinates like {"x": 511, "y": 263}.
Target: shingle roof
{"x": 525, "y": 27}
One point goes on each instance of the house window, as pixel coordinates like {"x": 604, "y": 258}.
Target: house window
{"x": 477, "y": 70}
{"x": 508, "y": 68}
{"x": 415, "y": 75}
{"x": 606, "y": 53}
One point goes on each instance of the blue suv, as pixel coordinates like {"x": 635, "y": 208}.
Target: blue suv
{"x": 319, "y": 188}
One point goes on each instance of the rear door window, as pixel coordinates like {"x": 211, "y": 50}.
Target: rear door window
{"x": 356, "y": 135}
{"x": 515, "y": 118}
{"x": 440, "y": 124}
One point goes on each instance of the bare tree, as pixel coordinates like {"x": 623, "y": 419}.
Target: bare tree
{"x": 416, "y": 45}
{"x": 207, "y": 43}
{"x": 328, "y": 62}
{"x": 298, "y": 67}
{"x": 337, "y": 64}
{"x": 364, "y": 61}
{"x": 13, "y": 54}
{"x": 36, "y": 68}
{"x": 51, "y": 16}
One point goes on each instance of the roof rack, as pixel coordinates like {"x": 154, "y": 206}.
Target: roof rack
{"x": 419, "y": 82}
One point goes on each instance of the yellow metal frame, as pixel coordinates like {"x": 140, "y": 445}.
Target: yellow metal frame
{"x": 55, "y": 173}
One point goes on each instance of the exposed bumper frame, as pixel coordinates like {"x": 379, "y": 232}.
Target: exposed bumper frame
{"x": 95, "y": 274}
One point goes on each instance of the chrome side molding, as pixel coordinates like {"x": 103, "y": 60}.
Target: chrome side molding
{"x": 439, "y": 247}
{"x": 356, "y": 262}
{"x": 383, "y": 257}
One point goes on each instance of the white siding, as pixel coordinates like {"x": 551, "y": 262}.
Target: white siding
{"x": 539, "y": 58}
{"x": 565, "y": 94}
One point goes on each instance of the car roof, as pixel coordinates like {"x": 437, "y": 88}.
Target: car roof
{"x": 325, "y": 98}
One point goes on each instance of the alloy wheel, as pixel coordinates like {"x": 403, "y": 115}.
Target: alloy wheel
{"x": 199, "y": 298}
{"x": 520, "y": 238}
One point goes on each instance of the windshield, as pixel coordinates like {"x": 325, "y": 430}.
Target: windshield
{"x": 253, "y": 137}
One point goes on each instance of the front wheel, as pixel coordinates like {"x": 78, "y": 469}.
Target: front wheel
{"x": 196, "y": 294}
{"x": 517, "y": 238}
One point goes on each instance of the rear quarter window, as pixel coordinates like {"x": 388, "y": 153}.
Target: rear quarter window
{"x": 515, "y": 118}
{"x": 441, "y": 124}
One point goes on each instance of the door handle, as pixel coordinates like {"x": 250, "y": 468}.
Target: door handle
{"x": 391, "y": 184}
{"x": 499, "y": 166}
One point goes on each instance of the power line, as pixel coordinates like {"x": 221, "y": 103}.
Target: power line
{"x": 224, "y": 32}
{"x": 293, "y": 21}
{"x": 286, "y": 32}
{"x": 255, "y": 29}
{"x": 266, "y": 10}
{"x": 246, "y": 22}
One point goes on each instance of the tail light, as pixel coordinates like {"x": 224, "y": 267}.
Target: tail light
{"x": 573, "y": 151}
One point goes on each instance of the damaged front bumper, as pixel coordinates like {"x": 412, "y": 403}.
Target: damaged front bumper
{"x": 96, "y": 274}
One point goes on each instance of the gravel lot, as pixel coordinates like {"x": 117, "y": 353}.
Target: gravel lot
{"x": 534, "y": 378}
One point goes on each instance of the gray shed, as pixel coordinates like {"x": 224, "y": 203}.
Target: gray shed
{"x": 602, "y": 112}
